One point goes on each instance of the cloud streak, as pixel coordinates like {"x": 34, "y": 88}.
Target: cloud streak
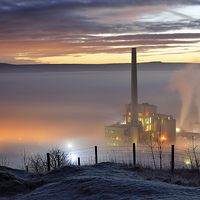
{"x": 39, "y": 28}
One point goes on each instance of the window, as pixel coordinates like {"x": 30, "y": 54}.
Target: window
{"x": 140, "y": 119}
{"x": 147, "y": 120}
{"x": 146, "y": 112}
{"x": 118, "y": 138}
{"x": 140, "y": 114}
{"x": 148, "y": 128}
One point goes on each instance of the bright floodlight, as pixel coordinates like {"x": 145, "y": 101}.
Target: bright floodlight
{"x": 73, "y": 157}
{"x": 178, "y": 129}
{"x": 69, "y": 146}
{"x": 163, "y": 138}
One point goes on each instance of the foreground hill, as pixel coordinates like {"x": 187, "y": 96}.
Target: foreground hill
{"x": 101, "y": 181}
{"x": 151, "y": 66}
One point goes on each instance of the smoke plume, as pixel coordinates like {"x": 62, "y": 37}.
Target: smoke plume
{"x": 186, "y": 82}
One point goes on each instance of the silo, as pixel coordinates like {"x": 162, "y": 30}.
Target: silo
{"x": 169, "y": 126}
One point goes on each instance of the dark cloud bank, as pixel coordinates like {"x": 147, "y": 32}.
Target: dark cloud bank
{"x": 58, "y": 28}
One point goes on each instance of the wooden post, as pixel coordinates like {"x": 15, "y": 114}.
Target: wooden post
{"x": 26, "y": 168}
{"x": 48, "y": 162}
{"x": 58, "y": 160}
{"x": 79, "y": 162}
{"x": 134, "y": 155}
{"x": 96, "y": 158}
{"x": 172, "y": 162}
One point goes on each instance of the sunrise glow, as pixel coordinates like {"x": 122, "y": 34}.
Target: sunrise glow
{"x": 93, "y": 32}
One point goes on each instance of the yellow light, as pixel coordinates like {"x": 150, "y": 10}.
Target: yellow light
{"x": 118, "y": 138}
{"x": 163, "y": 138}
{"x": 187, "y": 162}
{"x": 178, "y": 129}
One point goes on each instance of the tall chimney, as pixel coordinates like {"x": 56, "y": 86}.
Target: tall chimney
{"x": 134, "y": 93}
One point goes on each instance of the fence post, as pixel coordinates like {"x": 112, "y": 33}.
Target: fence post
{"x": 58, "y": 160}
{"x": 134, "y": 155}
{"x": 26, "y": 168}
{"x": 48, "y": 161}
{"x": 172, "y": 161}
{"x": 79, "y": 162}
{"x": 96, "y": 158}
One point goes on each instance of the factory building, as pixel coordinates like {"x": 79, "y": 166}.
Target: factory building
{"x": 195, "y": 127}
{"x": 184, "y": 138}
{"x": 149, "y": 122}
{"x": 141, "y": 121}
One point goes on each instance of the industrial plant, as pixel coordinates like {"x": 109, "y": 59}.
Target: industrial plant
{"x": 142, "y": 123}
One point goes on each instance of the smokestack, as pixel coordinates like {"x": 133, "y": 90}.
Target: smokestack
{"x": 134, "y": 93}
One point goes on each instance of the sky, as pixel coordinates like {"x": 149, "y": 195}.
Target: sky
{"x": 99, "y": 31}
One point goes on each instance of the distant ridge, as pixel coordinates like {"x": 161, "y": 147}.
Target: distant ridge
{"x": 39, "y": 68}
{"x": 153, "y": 62}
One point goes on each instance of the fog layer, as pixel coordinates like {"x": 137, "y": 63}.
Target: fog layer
{"x": 58, "y": 108}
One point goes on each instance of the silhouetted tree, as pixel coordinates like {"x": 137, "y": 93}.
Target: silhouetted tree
{"x": 25, "y": 159}
{"x": 151, "y": 144}
{"x": 58, "y": 156}
{"x": 4, "y": 160}
{"x": 38, "y": 163}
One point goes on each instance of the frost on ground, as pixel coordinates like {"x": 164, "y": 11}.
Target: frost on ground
{"x": 101, "y": 181}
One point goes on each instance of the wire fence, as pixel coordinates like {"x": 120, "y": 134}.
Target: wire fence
{"x": 147, "y": 157}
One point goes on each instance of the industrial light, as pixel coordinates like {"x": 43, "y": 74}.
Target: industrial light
{"x": 187, "y": 162}
{"x": 69, "y": 146}
{"x": 163, "y": 138}
{"x": 178, "y": 129}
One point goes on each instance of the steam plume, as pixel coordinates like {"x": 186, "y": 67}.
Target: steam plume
{"x": 186, "y": 82}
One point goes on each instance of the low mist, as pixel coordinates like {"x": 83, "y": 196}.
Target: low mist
{"x": 44, "y": 110}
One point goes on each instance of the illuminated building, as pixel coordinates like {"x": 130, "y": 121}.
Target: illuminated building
{"x": 141, "y": 121}
{"x": 149, "y": 122}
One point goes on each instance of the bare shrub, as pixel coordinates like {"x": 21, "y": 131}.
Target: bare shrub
{"x": 188, "y": 152}
{"x": 191, "y": 153}
{"x": 25, "y": 158}
{"x": 4, "y": 160}
{"x": 160, "y": 144}
{"x": 194, "y": 153}
{"x": 38, "y": 163}
{"x": 151, "y": 144}
{"x": 58, "y": 158}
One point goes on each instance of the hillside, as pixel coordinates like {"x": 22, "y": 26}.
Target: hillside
{"x": 152, "y": 66}
{"x": 101, "y": 181}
